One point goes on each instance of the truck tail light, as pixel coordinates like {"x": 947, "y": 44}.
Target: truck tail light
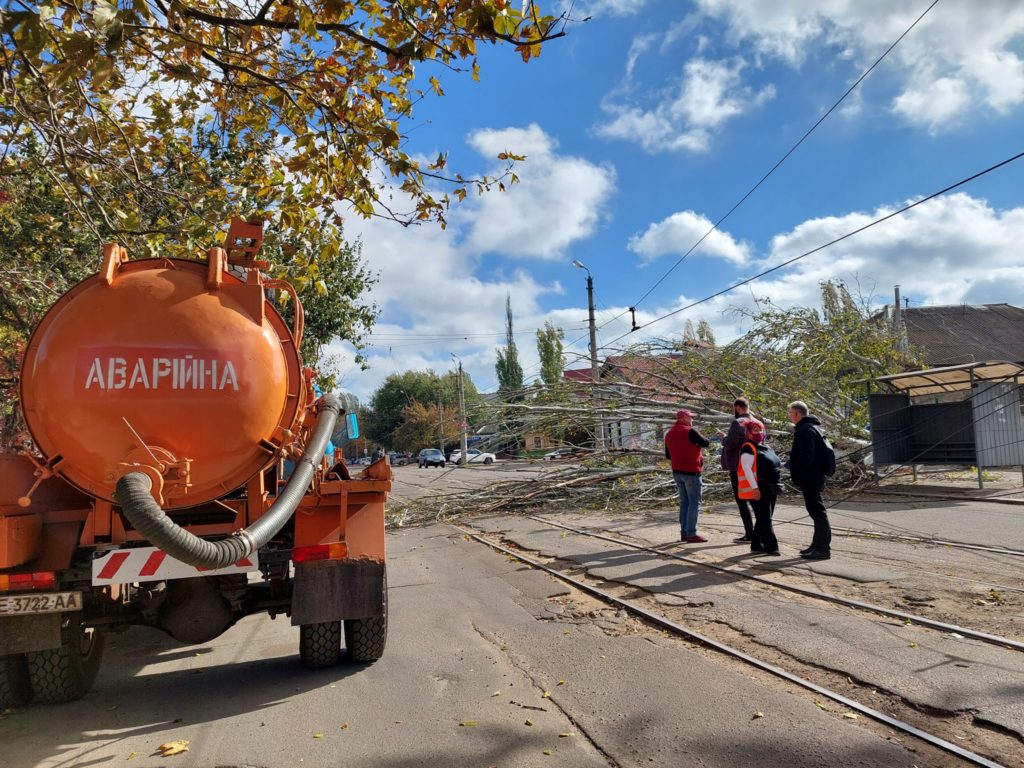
{"x": 22, "y": 581}
{"x": 335, "y": 551}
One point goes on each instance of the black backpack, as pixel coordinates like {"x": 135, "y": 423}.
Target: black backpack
{"x": 827, "y": 455}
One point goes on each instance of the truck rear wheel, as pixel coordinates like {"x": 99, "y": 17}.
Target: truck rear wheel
{"x": 365, "y": 638}
{"x": 66, "y": 673}
{"x": 320, "y": 644}
{"x": 14, "y": 686}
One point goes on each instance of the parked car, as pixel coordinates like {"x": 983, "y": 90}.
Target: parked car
{"x": 473, "y": 456}
{"x": 561, "y": 453}
{"x": 430, "y": 457}
{"x": 399, "y": 459}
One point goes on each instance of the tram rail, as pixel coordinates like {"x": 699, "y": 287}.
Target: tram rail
{"x": 667, "y": 624}
{"x": 1003, "y": 642}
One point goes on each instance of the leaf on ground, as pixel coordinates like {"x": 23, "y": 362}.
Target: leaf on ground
{"x": 468, "y": 723}
{"x": 344, "y": 726}
{"x": 546, "y": 695}
{"x": 132, "y": 755}
{"x": 529, "y": 722}
{"x": 819, "y": 705}
{"x": 318, "y": 735}
{"x": 912, "y": 645}
{"x": 757, "y": 715}
{"x": 549, "y": 752}
{"x": 566, "y": 735}
{"x": 561, "y": 682}
{"x": 172, "y": 748}
{"x": 851, "y": 716}
{"x": 496, "y": 693}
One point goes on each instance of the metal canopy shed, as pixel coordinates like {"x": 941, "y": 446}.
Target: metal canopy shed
{"x": 962, "y": 414}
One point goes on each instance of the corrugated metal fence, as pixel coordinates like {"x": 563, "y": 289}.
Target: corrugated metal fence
{"x": 999, "y": 425}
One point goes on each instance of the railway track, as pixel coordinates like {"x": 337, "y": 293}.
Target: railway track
{"x": 924, "y": 621}
{"x": 679, "y": 630}
{"x": 857, "y": 533}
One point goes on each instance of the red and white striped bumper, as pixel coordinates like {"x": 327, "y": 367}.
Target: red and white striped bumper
{"x": 131, "y": 566}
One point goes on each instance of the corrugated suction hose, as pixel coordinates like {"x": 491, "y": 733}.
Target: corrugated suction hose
{"x": 139, "y": 506}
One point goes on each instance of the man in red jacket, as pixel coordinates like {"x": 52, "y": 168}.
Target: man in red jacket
{"x": 683, "y": 447}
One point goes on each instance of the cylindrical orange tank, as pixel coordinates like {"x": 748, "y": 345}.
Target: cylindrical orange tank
{"x": 171, "y": 365}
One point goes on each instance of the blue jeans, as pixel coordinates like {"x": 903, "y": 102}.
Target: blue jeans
{"x": 689, "y": 487}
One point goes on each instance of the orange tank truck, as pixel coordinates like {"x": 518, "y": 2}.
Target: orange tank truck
{"x": 177, "y": 473}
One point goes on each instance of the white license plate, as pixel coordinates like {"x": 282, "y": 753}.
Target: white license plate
{"x": 50, "y": 602}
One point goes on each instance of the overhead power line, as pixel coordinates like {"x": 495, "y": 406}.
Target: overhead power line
{"x": 455, "y": 336}
{"x": 775, "y": 167}
{"x": 823, "y": 246}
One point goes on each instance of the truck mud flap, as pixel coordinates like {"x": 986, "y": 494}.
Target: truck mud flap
{"x": 329, "y": 590}
{"x": 22, "y": 634}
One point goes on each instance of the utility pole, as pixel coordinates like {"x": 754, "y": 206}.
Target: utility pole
{"x": 440, "y": 424}
{"x": 463, "y": 424}
{"x": 897, "y": 321}
{"x": 595, "y": 371}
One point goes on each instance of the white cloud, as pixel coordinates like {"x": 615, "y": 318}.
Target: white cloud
{"x": 934, "y": 102}
{"x": 941, "y": 252}
{"x": 952, "y": 250}
{"x": 637, "y": 48}
{"x": 677, "y": 234}
{"x": 707, "y": 94}
{"x": 947, "y": 251}
{"x": 559, "y": 198}
{"x": 434, "y": 298}
{"x": 964, "y": 54}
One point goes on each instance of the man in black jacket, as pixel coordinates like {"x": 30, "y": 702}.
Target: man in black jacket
{"x": 731, "y": 443}
{"x": 806, "y": 465}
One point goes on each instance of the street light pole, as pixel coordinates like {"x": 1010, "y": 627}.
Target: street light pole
{"x": 462, "y": 416}
{"x": 595, "y": 371}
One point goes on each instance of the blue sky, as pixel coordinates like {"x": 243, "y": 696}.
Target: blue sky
{"x": 648, "y": 122}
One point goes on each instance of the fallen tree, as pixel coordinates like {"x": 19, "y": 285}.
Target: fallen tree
{"x": 816, "y": 356}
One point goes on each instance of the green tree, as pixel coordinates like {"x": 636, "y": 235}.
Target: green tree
{"x": 705, "y": 333}
{"x": 331, "y": 281}
{"x": 507, "y": 368}
{"x": 550, "y": 350}
{"x": 386, "y": 411}
{"x": 802, "y": 353}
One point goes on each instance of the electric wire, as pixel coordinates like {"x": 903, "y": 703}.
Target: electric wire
{"x": 781, "y": 160}
{"x": 805, "y": 254}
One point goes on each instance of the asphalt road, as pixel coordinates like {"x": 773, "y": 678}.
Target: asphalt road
{"x": 475, "y": 643}
{"x": 411, "y": 482}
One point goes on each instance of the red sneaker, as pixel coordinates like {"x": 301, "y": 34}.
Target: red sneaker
{"x": 698, "y": 539}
